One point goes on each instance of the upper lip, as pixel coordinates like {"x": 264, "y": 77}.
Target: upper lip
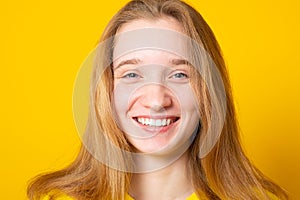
{"x": 156, "y": 116}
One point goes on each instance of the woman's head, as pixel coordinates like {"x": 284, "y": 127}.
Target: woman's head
{"x": 196, "y": 61}
{"x": 153, "y": 101}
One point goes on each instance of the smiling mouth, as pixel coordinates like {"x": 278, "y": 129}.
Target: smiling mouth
{"x": 162, "y": 122}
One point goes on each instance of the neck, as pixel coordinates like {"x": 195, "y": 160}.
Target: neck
{"x": 169, "y": 183}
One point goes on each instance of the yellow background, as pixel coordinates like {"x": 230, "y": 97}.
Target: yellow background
{"x": 43, "y": 44}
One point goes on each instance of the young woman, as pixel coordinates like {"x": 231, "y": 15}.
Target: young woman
{"x": 162, "y": 123}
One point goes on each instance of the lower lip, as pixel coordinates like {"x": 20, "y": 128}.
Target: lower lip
{"x": 155, "y": 129}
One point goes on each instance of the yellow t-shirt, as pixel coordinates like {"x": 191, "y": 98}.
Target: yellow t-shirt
{"x": 127, "y": 197}
{"x": 65, "y": 197}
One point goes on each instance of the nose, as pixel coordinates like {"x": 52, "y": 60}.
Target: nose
{"x": 156, "y": 97}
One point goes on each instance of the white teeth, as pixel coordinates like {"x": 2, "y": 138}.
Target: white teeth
{"x": 154, "y": 122}
{"x": 147, "y": 121}
{"x": 158, "y": 122}
{"x": 140, "y": 120}
{"x": 168, "y": 122}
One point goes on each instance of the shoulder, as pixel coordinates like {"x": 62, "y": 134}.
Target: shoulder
{"x": 272, "y": 196}
{"x": 127, "y": 197}
{"x": 192, "y": 197}
{"x": 63, "y": 197}
{"x": 60, "y": 197}
{"x": 269, "y": 194}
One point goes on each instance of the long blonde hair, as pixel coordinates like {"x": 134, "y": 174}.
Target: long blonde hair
{"x": 225, "y": 173}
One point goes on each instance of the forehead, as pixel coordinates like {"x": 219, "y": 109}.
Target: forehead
{"x": 135, "y": 39}
{"x": 168, "y": 23}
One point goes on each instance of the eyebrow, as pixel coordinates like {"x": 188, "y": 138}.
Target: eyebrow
{"x": 179, "y": 62}
{"x": 136, "y": 61}
{"x": 133, "y": 61}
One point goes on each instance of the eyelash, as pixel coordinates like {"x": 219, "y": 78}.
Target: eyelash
{"x": 130, "y": 75}
{"x": 181, "y": 74}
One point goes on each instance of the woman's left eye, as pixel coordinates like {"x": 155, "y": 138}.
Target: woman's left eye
{"x": 180, "y": 75}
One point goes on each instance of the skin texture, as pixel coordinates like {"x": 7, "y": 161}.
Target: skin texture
{"x": 155, "y": 84}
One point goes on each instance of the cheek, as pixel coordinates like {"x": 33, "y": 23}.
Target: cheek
{"x": 187, "y": 99}
{"x": 120, "y": 104}
{"x": 189, "y": 109}
{"x": 121, "y": 96}
{"x": 188, "y": 104}
{"x": 124, "y": 98}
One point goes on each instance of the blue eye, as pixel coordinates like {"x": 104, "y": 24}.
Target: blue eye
{"x": 180, "y": 75}
{"x": 131, "y": 75}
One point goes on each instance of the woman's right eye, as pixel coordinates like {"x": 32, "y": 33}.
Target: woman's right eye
{"x": 131, "y": 75}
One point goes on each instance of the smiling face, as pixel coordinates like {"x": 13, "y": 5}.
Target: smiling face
{"x": 153, "y": 101}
